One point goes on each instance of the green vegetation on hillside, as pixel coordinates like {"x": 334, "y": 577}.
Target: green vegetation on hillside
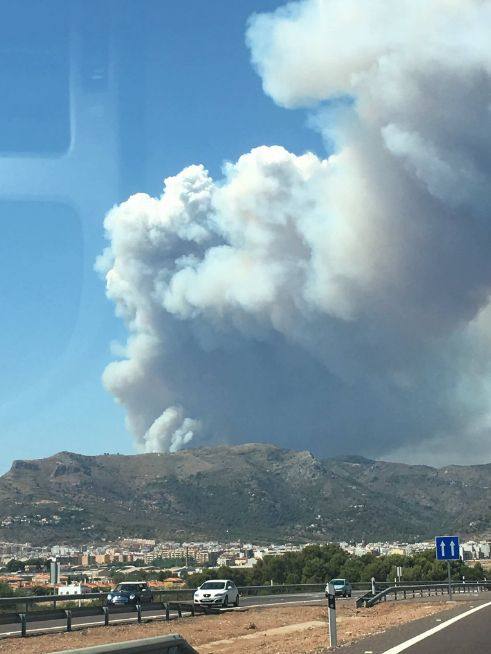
{"x": 254, "y": 491}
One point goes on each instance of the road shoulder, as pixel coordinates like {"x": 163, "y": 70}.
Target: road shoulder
{"x": 379, "y": 643}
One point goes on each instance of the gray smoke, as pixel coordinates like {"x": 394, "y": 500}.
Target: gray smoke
{"x": 340, "y": 305}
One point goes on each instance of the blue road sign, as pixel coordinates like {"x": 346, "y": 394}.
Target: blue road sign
{"x": 447, "y": 548}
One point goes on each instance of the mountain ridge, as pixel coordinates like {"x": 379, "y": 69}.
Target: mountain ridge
{"x": 252, "y": 491}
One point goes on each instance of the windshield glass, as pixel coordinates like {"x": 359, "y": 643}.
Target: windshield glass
{"x": 213, "y": 585}
{"x": 236, "y": 255}
{"x": 128, "y": 587}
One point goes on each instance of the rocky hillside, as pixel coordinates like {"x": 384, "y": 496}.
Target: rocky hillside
{"x": 258, "y": 492}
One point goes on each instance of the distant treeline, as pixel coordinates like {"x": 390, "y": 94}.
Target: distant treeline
{"x": 319, "y": 563}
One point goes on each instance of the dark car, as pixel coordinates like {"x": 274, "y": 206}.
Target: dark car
{"x": 130, "y": 592}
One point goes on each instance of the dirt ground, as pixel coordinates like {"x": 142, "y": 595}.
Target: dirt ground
{"x": 279, "y": 630}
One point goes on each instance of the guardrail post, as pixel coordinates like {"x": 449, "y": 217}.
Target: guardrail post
{"x": 139, "y": 612}
{"x": 193, "y": 610}
{"x": 167, "y": 612}
{"x": 179, "y": 611}
{"x": 68, "y": 614}
{"x": 106, "y": 615}
{"x": 23, "y": 624}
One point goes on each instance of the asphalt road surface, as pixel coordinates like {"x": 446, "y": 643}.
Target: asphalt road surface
{"x": 471, "y": 632}
{"x": 37, "y": 626}
{"x": 466, "y": 629}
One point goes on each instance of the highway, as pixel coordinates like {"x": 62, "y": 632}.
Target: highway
{"x": 465, "y": 629}
{"x": 470, "y": 632}
{"x": 94, "y": 620}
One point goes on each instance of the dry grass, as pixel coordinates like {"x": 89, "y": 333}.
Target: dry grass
{"x": 278, "y": 630}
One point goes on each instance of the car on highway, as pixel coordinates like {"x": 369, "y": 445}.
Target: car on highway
{"x": 130, "y": 592}
{"x": 217, "y": 592}
{"x": 341, "y": 587}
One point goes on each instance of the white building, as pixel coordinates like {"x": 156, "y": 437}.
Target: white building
{"x": 73, "y": 589}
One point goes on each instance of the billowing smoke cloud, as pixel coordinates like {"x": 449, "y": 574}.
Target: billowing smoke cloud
{"x": 337, "y": 304}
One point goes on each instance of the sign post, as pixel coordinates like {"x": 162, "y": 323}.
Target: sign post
{"x": 447, "y": 549}
{"x": 331, "y": 615}
{"x": 449, "y": 572}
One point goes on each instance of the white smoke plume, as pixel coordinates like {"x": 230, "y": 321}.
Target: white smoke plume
{"x": 170, "y": 432}
{"x": 338, "y": 304}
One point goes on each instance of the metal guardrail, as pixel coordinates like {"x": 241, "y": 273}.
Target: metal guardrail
{"x": 30, "y": 603}
{"x": 67, "y": 615}
{"x": 24, "y": 610}
{"x": 35, "y": 608}
{"x": 361, "y": 601}
{"x": 405, "y": 591}
{"x": 172, "y": 644}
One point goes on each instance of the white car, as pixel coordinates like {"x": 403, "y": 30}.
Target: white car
{"x": 219, "y": 592}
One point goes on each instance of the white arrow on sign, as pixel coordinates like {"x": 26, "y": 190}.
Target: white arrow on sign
{"x": 442, "y": 546}
{"x": 452, "y": 547}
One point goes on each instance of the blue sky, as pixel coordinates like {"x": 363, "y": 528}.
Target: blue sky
{"x": 175, "y": 87}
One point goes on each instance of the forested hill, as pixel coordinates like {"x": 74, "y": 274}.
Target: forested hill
{"x": 255, "y": 491}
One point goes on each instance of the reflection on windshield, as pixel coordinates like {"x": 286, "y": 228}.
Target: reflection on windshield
{"x": 212, "y": 585}
{"x": 127, "y": 587}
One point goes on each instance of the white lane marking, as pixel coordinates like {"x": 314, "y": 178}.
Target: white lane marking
{"x": 434, "y": 630}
